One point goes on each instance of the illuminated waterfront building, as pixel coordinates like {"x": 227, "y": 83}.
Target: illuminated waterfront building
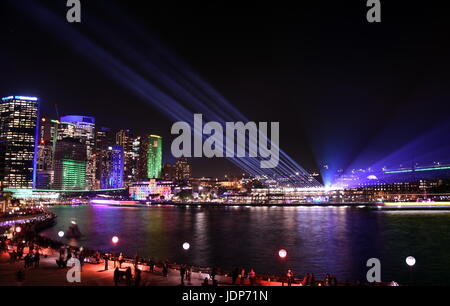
{"x": 112, "y": 169}
{"x": 153, "y": 189}
{"x": 70, "y": 165}
{"x": 83, "y": 128}
{"x": 125, "y": 139}
{"x": 182, "y": 169}
{"x": 154, "y": 156}
{"x": 18, "y": 141}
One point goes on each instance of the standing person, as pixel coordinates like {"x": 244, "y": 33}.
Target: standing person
{"x": 252, "y": 277}
{"x": 136, "y": 260}
{"x": 137, "y": 276}
{"x": 182, "y": 274}
{"x": 213, "y": 273}
{"x": 128, "y": 275}
{"x": 234, "y": 275}
{"x": 188, "y": 274}
{"x": 37, "y": 258}
{"x": 116, "y": 276}
{"x": 106, "y": 258}
{"x": 290, "y": 277}
{"x": 312, "y": 280}
{"x": 152, "y": 265}
{"x": 165, "y": 269}
{"x": 120, "y": 260}
{"x": 242, "y": 276}
{"x": 81, "y": 258}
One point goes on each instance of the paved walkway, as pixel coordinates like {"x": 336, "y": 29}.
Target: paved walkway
{"x": 48, "y": 274}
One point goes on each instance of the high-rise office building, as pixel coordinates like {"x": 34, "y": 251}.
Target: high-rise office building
{"x": 136, "y": 156}
{"x": 182, "y": 169}
{"x": 167, "y": 172}
{"x": 83, "y": 128}
{"x": 141, "y": 162}
{"x": 154, "y": 156}
{"x": 104, "y": 138}
{"x": 124, "y": 138}
{"x": 70, "y": 165}
{"x": 19, "y": 123}
{"x": 112, "y": 168}
{"x": 48, "y": 133}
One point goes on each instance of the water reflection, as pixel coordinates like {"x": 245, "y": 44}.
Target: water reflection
{"x": 319, "y": 240}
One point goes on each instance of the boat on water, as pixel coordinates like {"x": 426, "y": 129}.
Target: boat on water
{"x": 119, "y": 203}
{"x": 421, "y": 205}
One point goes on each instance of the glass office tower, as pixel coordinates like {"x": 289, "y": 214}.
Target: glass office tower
{"x": 18, "y": 141}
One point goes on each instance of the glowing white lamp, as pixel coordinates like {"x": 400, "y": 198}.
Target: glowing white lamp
{"x": 282, "y": 253}
{"x": 410, "y": 261}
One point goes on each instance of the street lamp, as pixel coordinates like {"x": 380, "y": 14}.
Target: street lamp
{"x": 410, "y": 261}
{"x": 186, "y": 246}
{"x": 61, "y": 234}
{"x": 114, "y": 240}
{"x": 282, "y": 253}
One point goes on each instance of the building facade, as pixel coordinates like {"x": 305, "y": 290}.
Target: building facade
{"x": 70, "y": 165}
{"x": 124, "y": 138}
{"x": 19, "y": 125}
{"x": 104, "y": 138}
{"x": 83, "y": 128}
{"x": 182, "y": 169}
{"x": 112, "y": 168}
{"x": 154, "y": 156}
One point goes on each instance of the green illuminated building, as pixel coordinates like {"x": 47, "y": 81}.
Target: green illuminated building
{"x": 70, "y": 165}
{"x": 73, "y": 174}
{"x": 154, "y": 156}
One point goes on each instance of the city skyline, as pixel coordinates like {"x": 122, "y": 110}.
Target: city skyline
{"x": 298, "y": 91}
{"x": 242, "y": 145}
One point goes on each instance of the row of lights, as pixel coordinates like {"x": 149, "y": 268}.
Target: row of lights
{"x": 282, "y": 253}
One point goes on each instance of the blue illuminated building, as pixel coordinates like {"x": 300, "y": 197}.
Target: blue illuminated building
{"x": 112, "y": 169}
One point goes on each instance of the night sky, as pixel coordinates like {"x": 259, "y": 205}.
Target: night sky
{"x": 346, "y": 92}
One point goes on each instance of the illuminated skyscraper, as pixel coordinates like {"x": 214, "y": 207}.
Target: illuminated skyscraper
{"x": 48, "y": 132}
{"x": 70, "y": 165}
{"x": 18, "y": 141}
{"x": 83, "y": 128}
{"x": 112, "y": 170}
{"x": 154, "y": 156}
{"x": 125, "y": 139}
{"x": 136, "y": 156}
{"x": 104, "y": 138}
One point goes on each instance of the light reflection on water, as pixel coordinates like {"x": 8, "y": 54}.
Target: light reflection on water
{"x": 318, "y": 239}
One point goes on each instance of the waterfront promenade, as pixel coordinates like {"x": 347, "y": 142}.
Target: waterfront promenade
{"x": 47, "y": 274}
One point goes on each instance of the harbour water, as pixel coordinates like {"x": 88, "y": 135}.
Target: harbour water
{"x": 319, "y": 240}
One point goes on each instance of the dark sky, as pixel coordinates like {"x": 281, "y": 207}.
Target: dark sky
{"x": 342, "y": 89}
